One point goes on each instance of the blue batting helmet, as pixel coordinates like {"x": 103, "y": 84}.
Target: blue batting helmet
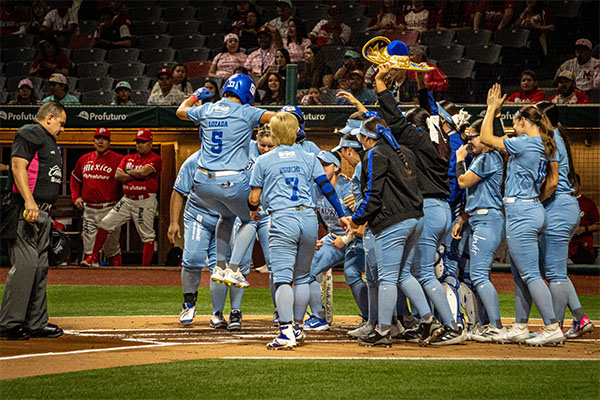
{"x": 296, "y": 112}
{"x": 242, "y": 86}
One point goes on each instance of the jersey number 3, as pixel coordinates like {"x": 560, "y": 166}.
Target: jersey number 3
{"x": 217, "y": 139}
{"x": 294, "y": 183}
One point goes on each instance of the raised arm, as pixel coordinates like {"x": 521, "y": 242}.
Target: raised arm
{"x": 494, "y": 102}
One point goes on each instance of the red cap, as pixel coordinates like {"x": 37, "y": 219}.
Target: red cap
{"x": 143, "y": 134}
{"x": 102, "y": 132}
{"x": 164, "y": 71}
{"x": 263, "y": 29}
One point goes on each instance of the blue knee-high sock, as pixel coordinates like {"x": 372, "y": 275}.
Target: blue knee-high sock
{"x": 243, "y": 239}
{"x": 560, "y": 299}
{"x": 373, "y": 291}
{"x": 436, "y": 293}
{"x": 574, "y": 304}
{"x": 218, "y": 294}
{"x": 543, "y": 300}
{"x": 489, "y": 297}
{"x": 316, "y": 299}
{"x": 522, "y": 301}
{"x": 301, "y": 298}
{"x": 361, "y": 297}
{"x": 388, "y": 295}
{"x": 272, "y": 288}
{"x": 235, "y": 297}
{"x": 401, "y": 304}
{"x": 482, "y": 316}
{"x": 222, "y": 238}
{"x": 284, "y": 296}
{"x": 415, "y": 294}
{"x": 190, "y": 279}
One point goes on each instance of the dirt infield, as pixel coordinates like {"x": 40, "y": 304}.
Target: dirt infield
{"x": 105, "y": 342}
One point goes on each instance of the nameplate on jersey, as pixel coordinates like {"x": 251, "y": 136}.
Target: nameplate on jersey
{"x": 217, "y": 124}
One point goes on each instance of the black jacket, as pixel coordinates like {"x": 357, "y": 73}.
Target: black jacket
{"x": 432, "y": 169}
{"x": 390, "y": 195}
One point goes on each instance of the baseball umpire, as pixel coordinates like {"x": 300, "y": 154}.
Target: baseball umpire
{"x": 36, "y": 173}
{"x": 95, "y": 190}
{"x": 139, "y": 174}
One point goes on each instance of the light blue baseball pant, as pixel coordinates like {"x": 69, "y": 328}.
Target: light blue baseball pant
{"x": 371, "y": 275}
{"x": 262, "y": 230}
{"x": 228, "y": 195}
{"x": 199, "y": 239}
{"x": 525, "y": 224}
{"x": 487, "y": 234}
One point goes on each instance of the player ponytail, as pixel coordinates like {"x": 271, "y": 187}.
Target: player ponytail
{"x": 375, "y": 124}
{"x": 535, "y": 116}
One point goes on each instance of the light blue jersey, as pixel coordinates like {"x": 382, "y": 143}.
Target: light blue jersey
{"x": 286, "y": 175}
{"x": 309, "y": 147}
{"x": 561, "y": 156}
{"x": 326, "y": 210}
{"x": 356, "y": 189}
{"x": 184, "y": 183}
{"x": 486, "y": 193}
{"x": 526, "y": 170}
{"x": 226, "y": 128}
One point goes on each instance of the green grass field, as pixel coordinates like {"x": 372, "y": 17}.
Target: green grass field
{"x": 331, "y": 379}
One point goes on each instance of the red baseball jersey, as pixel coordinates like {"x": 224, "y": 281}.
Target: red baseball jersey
{"x": 136, "y": 187}
{"x": 93, "y": 178}
{"x": 588, "y": 214}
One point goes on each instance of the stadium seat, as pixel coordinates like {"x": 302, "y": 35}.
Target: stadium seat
{"x": 565, "y": 9}
{"x": 408, "y": 37}
{"x": 157, "y": 55}
{"x": 193, "y": 54}
{"x": 460, "y": 74}
{"x": 140, "y": 97}
{"x": 87, "y": 27}
{"x": 149, "y": 28}
{"x": 136, "y": 82}
{"x": 515, "y": 38}
{"x": 187, "y": 41}
{"x": 354, "y": 10}
{"x": 154, "y": 67}
{"x": 122, "y": 55}
{"x": 88, "y": 69}
{"x": 91, "y": 84}
{"x": 120, "y": 70}
{"x": 178, "y": 13}
{"x": 4, "y": 97}
{"x": 484, "y": 54}
{"x": 18, "y": 68}
{"x": 18, "y": 54}
{"x": 153, "y": 41}
{"x": 318, "y": 11}
{"x": 215, "y": 41}
{"x": 146, "y": 14}
{"x": 473, "y": 38}
{"x": 451, "y": 52}
{"x": 88, "y": 55}
{"x": 212, "y": 27}
{"x": 183, "y": 27}
{"x": 197, "y": 68}
{"x": 80, "y": 42}
{"x": 212, "y": 13}
{"x": 17, "y": 41}
{"x": 461, "y": 69}
{"x": 3, "y": 82}
{"x": 358, "y": 24}
{"x": 97, "y": 97}
{"x": 437, "y": 38}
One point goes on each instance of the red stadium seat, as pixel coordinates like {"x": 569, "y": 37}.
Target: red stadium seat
{"x": 197, "y": 68}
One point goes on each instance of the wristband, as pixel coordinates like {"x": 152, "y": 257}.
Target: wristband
{"x": 347, "y": 238}
{"x": 252, "y": 207}
{"x": 461, "y": 169}
{"x": 194, "y": 98}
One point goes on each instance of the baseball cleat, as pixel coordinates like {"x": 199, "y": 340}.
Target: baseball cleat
{"x": 362, "y": 331}
{"x": 217, "y": 274}
{"x": 286, "y": 340}
{"x": 299, "y": 334}
{"x": 397, "y": 330}
{"x": 315, "y": 323}
{"x": 275, "y": 318}
{"x": 235, "y": 321}
{"x": 217, "y": 320}
{"x": 517, "y": 334}
{"x": 188, "y": 311}
{"x": 446, "y": 336}
{"x": 426, "y": 329}
{"x": 90, "y": 261}
{"x": 486, "y": 333}
{"x": 376, "y": 339}
{"x": 580, "y": 328}
{"x": 236, "y": 279}
{"x": 550, "y": 335}
{"x": 476, "y": 330}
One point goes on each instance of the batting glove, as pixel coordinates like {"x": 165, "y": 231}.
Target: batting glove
{"x": 201, "y": 94}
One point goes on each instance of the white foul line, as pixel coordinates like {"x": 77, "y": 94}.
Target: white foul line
{"x": 87, "y": 351}
{"x": 411, "y": 358}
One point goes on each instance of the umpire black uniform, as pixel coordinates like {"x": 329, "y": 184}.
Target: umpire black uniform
{"x": 36, "y": 171}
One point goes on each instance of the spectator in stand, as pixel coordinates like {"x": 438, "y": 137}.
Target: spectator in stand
{"x": 39, "y": 9}
{"x": 418, "y": 18}
{"x": 388, "y": 18}
{"x": 111, "y": 34}
{"x": 229, "y": 58}
{"x": 247, "y": 29}
{"x": 25, "y": 95}
{"x": 493, "y": 15}
{"x": 567, "y": 94}
{"x": 436, "y": 80}
{"x": 455, "y": 15}
{"x": 237, "y": 16}
{"x": 581, "y": 247}
{"x": 358, "y": 90}
{"x": 284, "y": 15}
{"x": 402, "y": 87}
{"x": 123, "y": 95}
{"x": 61, "y": 21}
{"x": 120, "y": 12}
{"x": 59, "y": 89}
{"x": 49, "y": 59}
{"x": 584, "y": 66}
{"x": 282, "y": 59}
{"x": 274, "y": 91}
{"x": 296, "y": 42}
{"x": 314, "y": 72}
{"x": 331, "y": 31}
{"x": 538, "y": 20}
{"x": 351, "y": 63}
{"x": 529, "y": 92}
{"x": 259, "y": 61}
{"x": 312, "y": 98}
{"x": 213, "y": 87}
{"x": 13, "y": 17}
{"x": 167, "y": 95}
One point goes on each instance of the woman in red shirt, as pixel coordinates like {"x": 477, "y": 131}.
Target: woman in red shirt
{"x": 529, "y": 92}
